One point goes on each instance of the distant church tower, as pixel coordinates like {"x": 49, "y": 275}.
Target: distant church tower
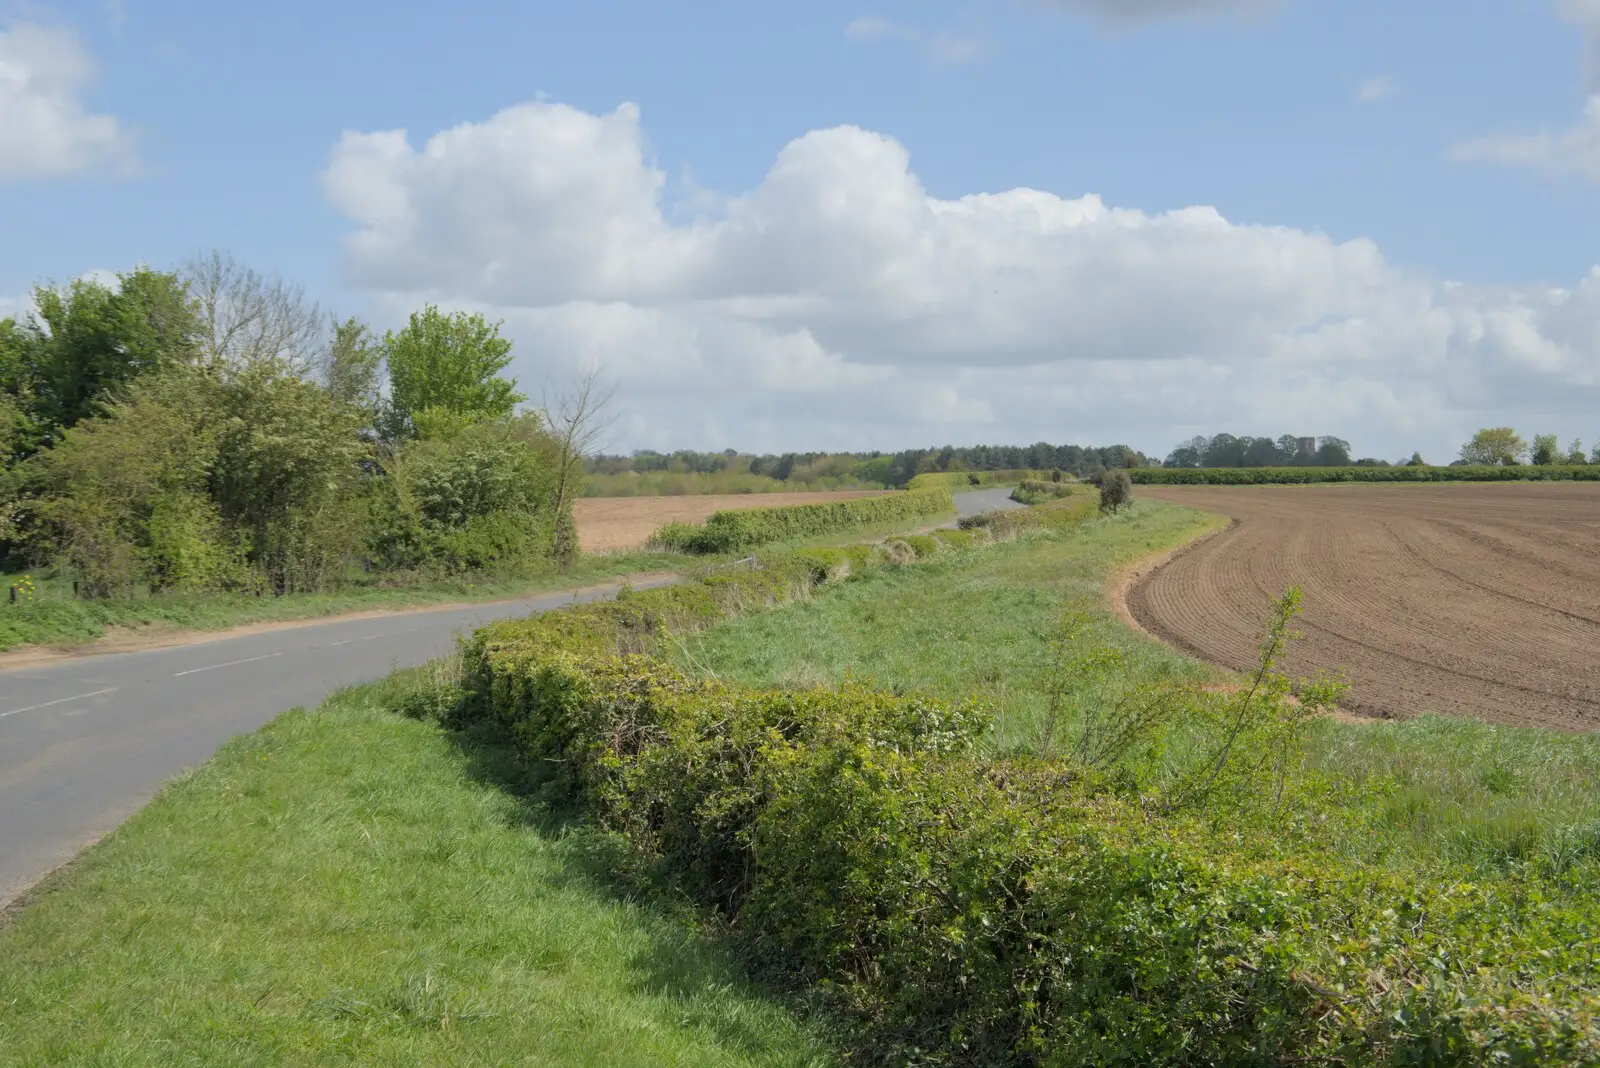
{"x": 1308, "y": 448}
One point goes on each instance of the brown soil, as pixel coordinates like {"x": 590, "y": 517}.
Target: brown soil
{"x": 606, "y": 524}
{"x": 1463, "y": 599}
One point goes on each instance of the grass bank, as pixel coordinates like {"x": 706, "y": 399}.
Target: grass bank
{"x": 54, "y": 617}
{"x": 347, "y": 886}
{"x": 961, "y": 624}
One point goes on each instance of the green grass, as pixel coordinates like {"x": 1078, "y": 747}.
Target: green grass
{"x": 54, "y": 617}
{"x": 1423, "y": 793}
{"x": 960, "y": 623}
{"x": 347, "y": 886}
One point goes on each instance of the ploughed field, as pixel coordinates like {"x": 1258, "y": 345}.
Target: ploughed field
{"x": 609, "y": 523}
{"x": 1478, "y": 600}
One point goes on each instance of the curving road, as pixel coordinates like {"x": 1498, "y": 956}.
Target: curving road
{"x": 85, "y": 742}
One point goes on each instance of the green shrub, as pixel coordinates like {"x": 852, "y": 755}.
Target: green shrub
{"x": 1251, "y": 476}
{"x": 922, "y": 544}
{"x": 956, "y": 539}
{"x": 739, "y": 531}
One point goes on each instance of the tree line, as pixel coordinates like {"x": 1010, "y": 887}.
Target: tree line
{"x": 1288, "y": 450}
{"x": 1491, "y": 446}
{"x": 211, "y": 429}
{"x": 877, "y": 468}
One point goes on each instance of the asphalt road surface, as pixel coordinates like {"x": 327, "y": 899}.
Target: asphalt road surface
{"x": 85, "y": 742}
{"x": 989, "y": 500}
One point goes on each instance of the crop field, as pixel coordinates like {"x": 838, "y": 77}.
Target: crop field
{"x": 1463, "y": 599}
{"x": 606, "y": 524}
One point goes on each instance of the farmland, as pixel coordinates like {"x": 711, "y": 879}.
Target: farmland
{"x": 1464, "y": 599}
{"x": 607, "y": 524}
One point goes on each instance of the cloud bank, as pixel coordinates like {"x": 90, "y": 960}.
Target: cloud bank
{"x": 837, "y": 303}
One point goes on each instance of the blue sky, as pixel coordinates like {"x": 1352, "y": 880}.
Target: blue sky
{"x": 1365, "y": 156}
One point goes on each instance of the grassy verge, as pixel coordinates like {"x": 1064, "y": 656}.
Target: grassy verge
{"x": 55, "y": 618}
{"x": 961, "y": 624}
{"x": 346, "y": 886}
{"x": 1428, "y": 793}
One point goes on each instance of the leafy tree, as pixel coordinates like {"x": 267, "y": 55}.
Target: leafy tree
{"x": 351, "y": 366}
{"x": 443, "y": 373}
{"x": 1333, "y": 452}
{"x": 18, "y": 433}
{"x": 123, "y": 496}
{"x": 1416, "y": 461}
{"x": 1116, "y": 490}
{"x": 1575, "y": 453}
{"x": 88, "y": 339}
{"x": 285, "y": 474}
{"x": 1495, "y": 446}
{"x": 1546, "y": 449}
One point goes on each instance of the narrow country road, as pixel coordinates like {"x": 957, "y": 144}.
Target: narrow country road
{"x": 85, "y": 742}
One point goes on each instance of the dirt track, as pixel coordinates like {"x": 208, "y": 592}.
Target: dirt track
{"x": 608, "y": 523}
{"x": 1471, "y": 600}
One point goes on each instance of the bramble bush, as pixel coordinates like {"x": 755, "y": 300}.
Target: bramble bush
{"x": 737, "y": 531}
{"x": 1030, "y": 910}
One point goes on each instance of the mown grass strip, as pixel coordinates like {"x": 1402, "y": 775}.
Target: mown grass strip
{"x": 347, "y": 886}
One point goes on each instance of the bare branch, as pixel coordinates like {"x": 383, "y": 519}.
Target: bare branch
{"x": 249, "y": 318}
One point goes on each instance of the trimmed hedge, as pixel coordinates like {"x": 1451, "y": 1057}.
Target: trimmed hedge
{"x": 737, "y": 531}
{"x": 975, "y": 911}
{"x": 1256, "y": 476}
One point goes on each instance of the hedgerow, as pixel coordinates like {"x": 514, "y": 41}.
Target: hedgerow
{"x": 1025, "y": 911}
{"x": 737, "y": 531}
{"x": 1251, "y": 476}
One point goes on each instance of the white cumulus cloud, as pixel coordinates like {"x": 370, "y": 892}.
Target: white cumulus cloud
{"x": 44, "y": 127}
{"x": 838, "y": 303}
